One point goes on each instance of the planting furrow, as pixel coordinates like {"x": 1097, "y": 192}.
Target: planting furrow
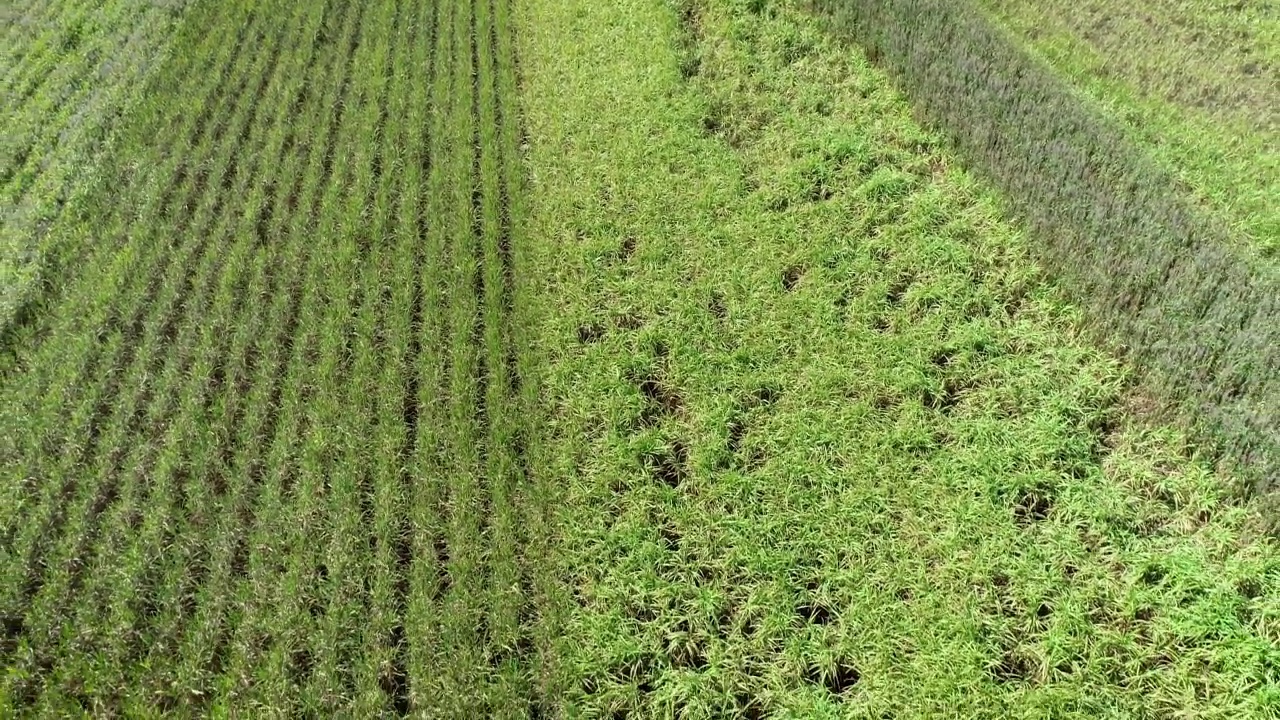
{"x": 297, "y": 457}
{"x": 506, "y": 647}
{"x": 230, "y": 470}
{"x": 427, "y": 403}
{"x": 328, "y": 487}
{"x": 72, "y": 39}
{"x": 168, "y": 304}
{"x": 463, "y": 627}
{"x": 290, "y": 399}
{"x": 538, "y": 605}
{"x": 194, "y": 294}
{"x": 44, "y": 51}
{"x": 54, "y": 30}
{"x": 79, "y": 252}
{"x": 72, "y": 95}
{"x": 361, "y": 538}
{"x": 349, "y": 518}
{"x": 210, "y": 345}
{"x": 406, "y": 493}
{"x": 56, "y": 404}
{"x": 73, "y": 51}
{"x": 23, "y": 22}
{"x": 241, "y": 470}
{"x": 58, "y": 143}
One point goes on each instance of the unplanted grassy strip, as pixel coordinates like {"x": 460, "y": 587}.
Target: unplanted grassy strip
{"x": 825, "y": 443}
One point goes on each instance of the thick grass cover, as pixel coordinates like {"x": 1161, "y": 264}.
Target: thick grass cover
{"x": 1161, "y": 281}
{"x": 824, "y": 442}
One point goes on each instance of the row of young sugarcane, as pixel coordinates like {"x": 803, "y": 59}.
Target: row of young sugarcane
{"x": 71, "y": 73}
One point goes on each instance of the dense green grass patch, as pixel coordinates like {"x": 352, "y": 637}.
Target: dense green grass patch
{"x": 1160, "y": 280}
{"x": 829, "y": 445}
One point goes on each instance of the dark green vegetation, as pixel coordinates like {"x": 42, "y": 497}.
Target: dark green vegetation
{"x": 673, "y": 371}
{"x": 829, "y": 446}
{"x": 1193, "y": 81}
{"x": 259, "y": 450}
{"x": 69, "y": 70}
{"x": 1161, "y": 280}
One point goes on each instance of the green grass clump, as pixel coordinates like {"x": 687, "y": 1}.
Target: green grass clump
{"x": 1162, "y": 281}
{"x": 827, "y": 444}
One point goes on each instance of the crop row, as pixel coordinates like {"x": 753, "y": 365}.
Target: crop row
{"x": 263, "y": 445}
{"x": 71, "y": 72}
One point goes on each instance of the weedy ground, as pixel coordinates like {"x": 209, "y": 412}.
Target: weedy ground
{"x": 670, "y": 371}
{"x": 1193, "y": 82}
{"x": 831, "y": 446}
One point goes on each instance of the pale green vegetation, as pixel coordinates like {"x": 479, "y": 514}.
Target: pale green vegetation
{"x": 672, "y": 371}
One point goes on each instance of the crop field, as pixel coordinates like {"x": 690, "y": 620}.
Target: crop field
{"x": 1194, "y": 81}
{"x": 567, "y": 359}
{"x": 70, "y": 71}
{"x": 228, "y": 438}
